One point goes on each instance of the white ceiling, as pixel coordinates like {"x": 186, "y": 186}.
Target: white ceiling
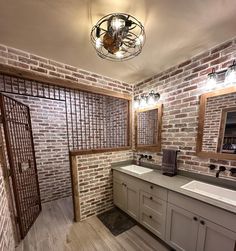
{"x": 60, "y": 30}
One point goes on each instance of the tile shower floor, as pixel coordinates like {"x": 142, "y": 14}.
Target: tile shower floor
{"x": 55, "y": 230}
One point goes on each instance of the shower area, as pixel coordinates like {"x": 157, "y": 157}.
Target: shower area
{"x": 41, "y": 124}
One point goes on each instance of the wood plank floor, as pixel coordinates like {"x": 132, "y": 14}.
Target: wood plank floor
{"x": 55, "y": 230}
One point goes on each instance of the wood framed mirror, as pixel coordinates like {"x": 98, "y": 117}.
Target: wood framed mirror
{"x": 148, "y": 123}
{"x": 217, "y": 125}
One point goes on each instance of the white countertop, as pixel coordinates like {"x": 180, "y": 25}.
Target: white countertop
{"x": 174, "y": 184}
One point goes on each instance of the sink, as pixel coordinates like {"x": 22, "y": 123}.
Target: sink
{"x": 136, "y": 169}
{"x": 222, "y": 194}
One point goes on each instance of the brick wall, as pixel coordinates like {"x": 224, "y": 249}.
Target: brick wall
{"x": 180, "y": 88}
{"x": 95, "y": 181}
{"x": 214, "y": 107}
{"x": 35, "y": 63}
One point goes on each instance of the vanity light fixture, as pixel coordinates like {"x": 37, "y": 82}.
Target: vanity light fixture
{"x": 146, "y": 100}
{"x": 229, "y": 74}
{"x": 118, "y": 37}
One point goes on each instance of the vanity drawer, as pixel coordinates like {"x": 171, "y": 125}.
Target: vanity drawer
{"x": 154, "y": 190}
{"x": 153, "y": 221}
{"x": 149, "y": 201}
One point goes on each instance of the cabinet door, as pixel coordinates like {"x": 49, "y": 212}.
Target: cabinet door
{"x": 119, "y": 194}
{"x": 181, "y": 229}
{"x": 212, "y": 237}
{"x": 132, "y": 195}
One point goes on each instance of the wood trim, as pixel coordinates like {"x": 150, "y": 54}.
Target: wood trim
{"x": 201, "y": 120}
{"x": 102, "y": 150}
{"x": 30, "y": 75}
{"x": 152, "y": 148}
{"x": 219, "y": 156}
{"x": 75, "y": 187}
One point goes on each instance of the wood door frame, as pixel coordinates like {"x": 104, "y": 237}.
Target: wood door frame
{"x": 152, "y": 148}
{"x": 201, "y": 120}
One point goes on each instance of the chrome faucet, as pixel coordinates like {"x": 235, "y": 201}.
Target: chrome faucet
{"x": 221, "y": 169}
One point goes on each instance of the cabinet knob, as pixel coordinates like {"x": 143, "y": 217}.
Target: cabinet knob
{"x": 202, "y": 222}
{"x": 195, "y": 218}
{"x": 150, "y": 216}
{"x": 151, "y": 198}
{"x": 151, "y": 187}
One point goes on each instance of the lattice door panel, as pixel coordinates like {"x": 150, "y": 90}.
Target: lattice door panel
{"x": 21, "y": 155}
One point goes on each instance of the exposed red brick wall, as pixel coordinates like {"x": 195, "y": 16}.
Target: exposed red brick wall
{"x": 95, "y": 181}
{"x": 180, "y": 88}
{"x": 25, "y": 60}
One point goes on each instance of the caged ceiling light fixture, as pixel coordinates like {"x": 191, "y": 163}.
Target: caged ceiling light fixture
{"x": 118, "y": 37}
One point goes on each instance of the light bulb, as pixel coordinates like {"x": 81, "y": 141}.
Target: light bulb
{"x": 119, "y": 54}
{"x": 230, "y": 77}
{"x": 151, "y": 100}
{"x": 139, "y": 40}
{"x": 117, "y": 23}
{"x": 98, "y": 43}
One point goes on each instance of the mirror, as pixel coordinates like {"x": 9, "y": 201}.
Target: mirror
{"x": 227, "y": 142}
{"x": 217, "y": 125}
{"x": 148, "y": 128}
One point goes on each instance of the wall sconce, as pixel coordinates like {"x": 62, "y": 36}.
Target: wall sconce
{"x": 230, "y": 75}
{"x": 146, "y": 100}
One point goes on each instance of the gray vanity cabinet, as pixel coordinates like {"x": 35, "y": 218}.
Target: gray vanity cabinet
{"x": 181, "y": 229}
{"x": 126, "y": 195}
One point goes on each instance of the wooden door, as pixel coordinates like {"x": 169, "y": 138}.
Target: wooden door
{"x": 212, "y": 237}
{"x": 21, "y": 156}
{"x": 181, "y": 229}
